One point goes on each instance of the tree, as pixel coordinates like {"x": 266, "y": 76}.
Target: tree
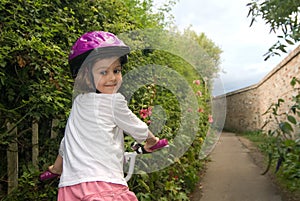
{"x": 283, "y": 18}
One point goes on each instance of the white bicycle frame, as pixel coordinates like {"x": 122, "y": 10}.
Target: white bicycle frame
{"x": 130, "y": 157}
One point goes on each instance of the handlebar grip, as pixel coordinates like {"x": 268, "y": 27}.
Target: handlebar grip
{"x": 160, "y": 144}
{"x": 47, "y": 175}
{"x": 139, "y": 148}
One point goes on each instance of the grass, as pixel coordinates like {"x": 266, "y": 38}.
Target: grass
{"x": 291, "y": 189}
{"x": 256, "y": 137}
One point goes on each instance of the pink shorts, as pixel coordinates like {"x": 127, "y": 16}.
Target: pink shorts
{"x": 96, "y": 191}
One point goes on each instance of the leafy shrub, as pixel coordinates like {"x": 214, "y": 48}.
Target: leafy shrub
{"x": 35, "y": 84}
{"x": 283, "y": 142}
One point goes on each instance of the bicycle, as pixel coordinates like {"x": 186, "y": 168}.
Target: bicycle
{"x": 128, "y": 157}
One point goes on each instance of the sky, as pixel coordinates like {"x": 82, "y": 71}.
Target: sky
{"x": 227, "y": 25}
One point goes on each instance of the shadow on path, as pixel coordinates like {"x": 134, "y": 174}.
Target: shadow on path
{"x": 232, "y": 175}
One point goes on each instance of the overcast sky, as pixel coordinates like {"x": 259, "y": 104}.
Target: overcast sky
{"x": 227, "y": 25}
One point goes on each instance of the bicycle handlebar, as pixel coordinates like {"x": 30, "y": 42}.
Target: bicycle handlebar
{"x": 139, "y": 149}
{"x": 128, "y": 156}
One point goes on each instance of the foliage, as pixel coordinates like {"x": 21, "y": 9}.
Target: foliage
{"x": 282, "y": 16}
{"x": 35, "y": 84}
{"x": 172, "y": 183}
{"x": 178, "y": 180}
{"x": 35, "y": 38}
{"x": 283, "y": 142}
{"x": 30, "y": 189}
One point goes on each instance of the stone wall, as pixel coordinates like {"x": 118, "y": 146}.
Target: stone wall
{"x": 245, "y": 107}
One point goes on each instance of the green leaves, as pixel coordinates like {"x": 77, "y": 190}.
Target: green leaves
{"x": 282, "y": 142}
{"x": 292, "y": 119}
{"x": 35, "y": 83}
{"x": 286, "y": 127}
{"x": 295, "y": 81}
{"x": 281, "y": 17}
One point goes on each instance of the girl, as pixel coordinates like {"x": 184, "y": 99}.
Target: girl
{"x": 92, "y": 150}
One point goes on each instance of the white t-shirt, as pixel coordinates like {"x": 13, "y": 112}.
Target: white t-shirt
{"x": 93, "y": 145}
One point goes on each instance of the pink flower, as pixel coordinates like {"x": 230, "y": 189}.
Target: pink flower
{"x": 189, "y": 110}
{"x": 144, "y": 113}
{"x": 149, "y": 111}
{"x": 200, "y": 110}
{"x": 197, "y": 82}
{"x": 210, "y": 119}
{"x": 149, "y": 122}
{"x": 199, "y": 93}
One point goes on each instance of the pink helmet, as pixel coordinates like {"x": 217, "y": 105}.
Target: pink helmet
{"x": 96, "y": 44}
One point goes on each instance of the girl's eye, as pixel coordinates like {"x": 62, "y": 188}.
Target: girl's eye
{"x": 103, "y": 72}
{"x": 116, "y": 71}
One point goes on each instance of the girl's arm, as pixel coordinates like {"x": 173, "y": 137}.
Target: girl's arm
{"x": 57, "y": 167}
{"x": 129, "y": 122}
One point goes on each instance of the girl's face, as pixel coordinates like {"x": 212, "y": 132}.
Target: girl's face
{"x": 107, "y": 75}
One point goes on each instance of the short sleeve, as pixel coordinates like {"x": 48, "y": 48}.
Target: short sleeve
{"x": 127, "y": 120}
{"x": 62, "y": 148}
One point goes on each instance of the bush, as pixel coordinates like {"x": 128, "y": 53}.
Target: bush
{"x": 35, "y": 85}
{"x": 283, "y": 141}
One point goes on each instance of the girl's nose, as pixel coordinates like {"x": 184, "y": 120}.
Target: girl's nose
{"x": 111, "y": 76}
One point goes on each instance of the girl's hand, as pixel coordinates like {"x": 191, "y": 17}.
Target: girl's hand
{"x": 54, "y": 170}
{"x": 150, "y": 142}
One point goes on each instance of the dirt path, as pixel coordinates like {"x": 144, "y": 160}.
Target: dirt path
{"x": 232, "y": 175}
